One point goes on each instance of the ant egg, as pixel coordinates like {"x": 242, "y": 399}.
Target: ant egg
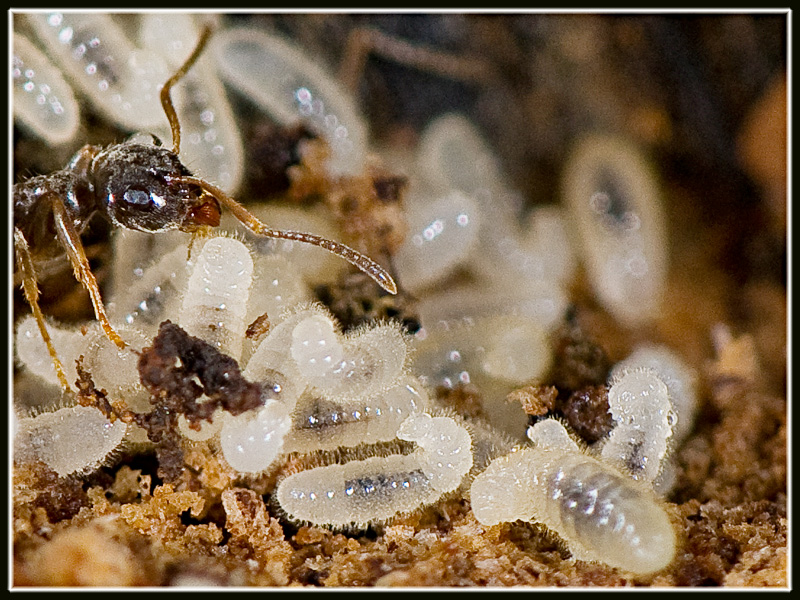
{"x": 281, "y": 79}
{"x": 68, "y": 440}
{"x": 319, "y": 423}
{"x": 215, "y": 304}
{"x": 375, "y": 489}
{"x": 679, "y": 378}
{"x": 639, "y": 404}
{"x": 443, "y": 235}
{"x": 120, "y": 79}
{"x": 614, "y": 201}
{"x": 601, "y": 514}
{"x": 43, "y": 101}
{"x": 211, "y": 145}
{"x": 251, "y": 441}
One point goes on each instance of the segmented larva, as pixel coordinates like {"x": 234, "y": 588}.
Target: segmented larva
{"x": 120, "y": 79}
{"x": 319, "y": 423}
{"x": 639, "y": 403}
{"x": 215, "y": 303}
{"x": 68, "y": 440}
{"x": 601, "y": 514}
{"x": 375, "y": 489}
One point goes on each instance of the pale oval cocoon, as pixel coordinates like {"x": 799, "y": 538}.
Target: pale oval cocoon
{"x": 452, "y": 154}
{"x": 281, "y": 79}
{"x": 120, "y": 79}
{"x": 43, "y": 101}
{"x": 615, "y": 203}
{"x": 443, "y": 234}
{"x": 68, "y": 440}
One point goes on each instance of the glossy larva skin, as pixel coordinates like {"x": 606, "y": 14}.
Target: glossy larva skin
{"x": 375, "y": 489}
{"x": 600, "y": 513}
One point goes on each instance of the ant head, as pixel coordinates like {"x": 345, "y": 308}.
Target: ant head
{"x": 141, "y": 187}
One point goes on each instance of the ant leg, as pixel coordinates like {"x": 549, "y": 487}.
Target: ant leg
{"x": 69, "y": 238}
{"x": 246, "y": 218}
{"x": 364, "y": 41}
{"x": 30, "y": 287}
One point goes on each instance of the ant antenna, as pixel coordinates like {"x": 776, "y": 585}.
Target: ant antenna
{"x": 166, "y": 100}
{"x": 249, "y": 220}
{"x": 364, "y": 263}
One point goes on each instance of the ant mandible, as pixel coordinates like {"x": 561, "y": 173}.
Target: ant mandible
{"x": 135, "y": 186}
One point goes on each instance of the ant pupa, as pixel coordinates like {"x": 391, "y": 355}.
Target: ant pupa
{"x": 134, "y": 186}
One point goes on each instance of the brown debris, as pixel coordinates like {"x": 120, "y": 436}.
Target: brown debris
{"x": 536, "y": 400}
{"x": 271, "y": 152}
{"x": 355, "y": 300}
{"x": 586, "y": 412}
{"x": 578, "y": 360}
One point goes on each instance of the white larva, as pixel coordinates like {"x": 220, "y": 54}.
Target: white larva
{"x": 601, "y": 514}
{"x": 68, "y": 440}
{"x": 495, "y": 353}
{"x": 376, "y": 489}
{"x": 639, "y": 403}
{"x": 614, "y": 202}
{"x": 43, "y": 101}
{"x": 251, "y": 441}
{"x": 322, "y": 424}
{"x": 281, "y": 79}
{"x": 681, "y": 382}
{"x": 215, "y": 303}
{"x": 32, "y": 353}
{"x": 120, "y": 79}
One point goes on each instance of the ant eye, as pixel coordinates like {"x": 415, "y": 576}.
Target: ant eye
{"x": 143, "y": 198}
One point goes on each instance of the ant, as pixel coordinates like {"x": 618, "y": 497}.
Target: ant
{"x": 135, "y": 186}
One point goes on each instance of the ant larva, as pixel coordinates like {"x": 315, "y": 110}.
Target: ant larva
{"x": 134, "y": 186}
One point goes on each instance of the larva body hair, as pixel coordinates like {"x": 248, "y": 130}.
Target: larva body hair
{"x": 601, "y": 514}
{"x": 375, "y": 489}
{"x": 319, "y": 423}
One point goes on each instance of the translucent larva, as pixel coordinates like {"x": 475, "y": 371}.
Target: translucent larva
{"x": 215, "y": 303}
{"x": 143, "y": 298}
{"x": 614, "y": 202}
{"x": 120, "y": 79}
{"x": 33, "y": 355}
{"x": 43, "y": 101}
{"x": 322, "y": 424}
{"x": 601, "y": 514}
{"x": 251, "y": 441}
{"x": 68, "y": 440}
{"x": 681, "y": 382}
{"x": 375, "y": 489}
{"x": 299, "y": 89}
{"x": 640, "y": 406}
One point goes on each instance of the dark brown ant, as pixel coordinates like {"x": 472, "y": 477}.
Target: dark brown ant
{"x": 135, "y": 186}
